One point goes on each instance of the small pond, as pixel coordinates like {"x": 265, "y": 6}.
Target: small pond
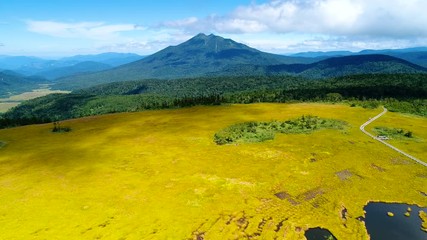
{"x": 399, "y": 227}
{"x": 319, "y": 234}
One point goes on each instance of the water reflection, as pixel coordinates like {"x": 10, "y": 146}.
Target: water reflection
{"x": 319, "y": 234}
{"x": 394, "y": 221}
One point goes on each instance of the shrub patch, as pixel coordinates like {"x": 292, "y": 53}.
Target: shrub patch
{"x": 262, "y": 131}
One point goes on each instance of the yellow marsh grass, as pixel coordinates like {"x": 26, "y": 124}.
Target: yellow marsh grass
{"x": 159, "y": 175}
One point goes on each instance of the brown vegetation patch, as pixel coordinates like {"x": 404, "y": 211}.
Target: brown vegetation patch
{"x": 422, "y": 175}
{"x": 260, "y": 228}
{"x": 200, "y": 236}
{"x": 400, "y": 161}
{"x": 310, "y": 194}
{"x": 344, "y": 174}
{"x": 287, "y": 196}
{"x": 313, "y": 157}
{"x": 344, "y": 213}
{"x": 243, "y": 222}
{"x": 377, "y": 167}
{"x": 279, "y": 225}
{"x": 319, "y": 201}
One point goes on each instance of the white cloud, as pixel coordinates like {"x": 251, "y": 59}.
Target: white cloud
{"x": 294, "y": 43}
{"x": 90, "y": 30}
{"x": 237, "y": 25}
{"x": 339, "y": 17}
{"x": 386, "y": 18}
{"x": 280, "y": 26}
{"x": 150, "y": 41}
{"x": 315, "y": 25}
{"x": 186, "y": 22}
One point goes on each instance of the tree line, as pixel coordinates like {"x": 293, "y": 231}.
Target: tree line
{"x": 398, "y": 92}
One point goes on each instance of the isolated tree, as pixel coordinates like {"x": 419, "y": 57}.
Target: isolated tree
{"x": 334, "y": 97}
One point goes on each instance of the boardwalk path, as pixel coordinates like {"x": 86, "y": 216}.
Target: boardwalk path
{"x": 362, "y": 128}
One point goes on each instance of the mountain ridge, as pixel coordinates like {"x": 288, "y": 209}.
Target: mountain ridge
{"x": 416, "y": 55}
{"x": 13, "y": 83}
{"x": 78, "y": 68}
{"x": 211, "y": 55}
{"x": 28, "y": 65}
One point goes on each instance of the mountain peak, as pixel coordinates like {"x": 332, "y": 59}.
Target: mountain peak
{"x": 213, "y": 43}
{"x": 200, "y": 35}
{"x": 204, "y": 36}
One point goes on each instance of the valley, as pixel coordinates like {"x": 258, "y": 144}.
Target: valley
{"x": 15, "y": 100}
{"x": 163, "y": 176}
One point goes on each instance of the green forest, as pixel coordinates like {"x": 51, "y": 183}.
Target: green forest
{"x": 398, "y": 92}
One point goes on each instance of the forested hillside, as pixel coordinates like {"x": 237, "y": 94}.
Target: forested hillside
{"x": 13, "y": 83}
{"x": 403, "y": 92}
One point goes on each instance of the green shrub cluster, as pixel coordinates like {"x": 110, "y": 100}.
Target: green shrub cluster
{"x": 262, "y": 131}
{"x": 398, "y": 133}
{"x": 57, "y": 128}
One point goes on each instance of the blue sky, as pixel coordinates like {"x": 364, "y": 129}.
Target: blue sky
{"x": 49, "y": 28}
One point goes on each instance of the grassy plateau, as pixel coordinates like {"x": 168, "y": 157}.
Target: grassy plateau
{"x": 160, "y": 175}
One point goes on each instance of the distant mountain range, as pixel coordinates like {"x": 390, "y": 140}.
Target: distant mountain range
{"x": 415, "y": 55}
{"x": 212, "y": 55}
{"x": 14, "y": 83}
{"x": 79, "y": 64}
{"x": 209, "y": 56}
{"x": 349, "y": 65}
{"x": 79, "y": 68}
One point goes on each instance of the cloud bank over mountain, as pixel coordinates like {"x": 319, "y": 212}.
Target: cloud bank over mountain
{"x": 279, "y": 26}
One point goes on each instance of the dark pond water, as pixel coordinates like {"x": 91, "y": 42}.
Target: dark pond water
{"x": 399, "y": 227}
{"x": 319, "y": 234}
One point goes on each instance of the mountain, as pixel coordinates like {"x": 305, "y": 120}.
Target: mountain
{"x": 322, "y": 54}
{"x": 17, "y": 62}
{"x": 416, "y": 55}
{"x": 349, "y": 65}
{"x": 387, "y": 51}
{"x": 110, "y": 58}
{"x": 14, "y": 83}
{"x": 199, "y": 56}
{"x": 79, "y": 68}
{"x": 38, "y": 66}
{"x": 331, "y": 67}
{"x": 419, "y": 58}
{"x": 363, "y": 64}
